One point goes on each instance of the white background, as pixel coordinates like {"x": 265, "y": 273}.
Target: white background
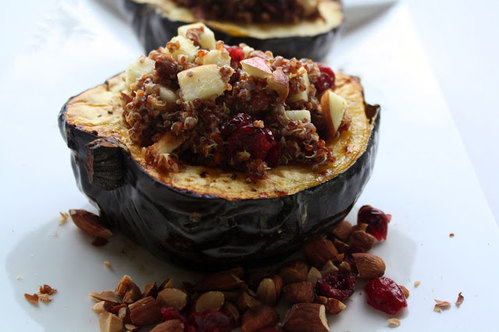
{"x": 430, "y": 64}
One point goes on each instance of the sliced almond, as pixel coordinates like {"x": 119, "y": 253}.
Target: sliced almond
{"x": 298, "y": 115}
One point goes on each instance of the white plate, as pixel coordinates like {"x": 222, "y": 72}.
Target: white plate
{"x": 422, "y": 177}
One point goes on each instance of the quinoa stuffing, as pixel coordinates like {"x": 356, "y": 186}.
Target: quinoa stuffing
{"x": 199, "y": 101}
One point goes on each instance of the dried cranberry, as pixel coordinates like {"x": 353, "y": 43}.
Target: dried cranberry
{"x": 337, "y": 284}
{"x": 385, "y": 295}
{"x": 239, "y": 120}
{"x": 241, "y": 135}
{"x": 236, "y": 53}
{"x": 376, "y": 220}
{"x": 169, "y": 313}
{"x": 210, "y": 321}
{"x": 326, "y": 80}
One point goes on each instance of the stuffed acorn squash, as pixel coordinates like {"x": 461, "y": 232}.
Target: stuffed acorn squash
{"x": 291, "y": 28}
{"x": 213, "y": 155}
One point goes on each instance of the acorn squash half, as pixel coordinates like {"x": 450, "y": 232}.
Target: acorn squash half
{"x": 156, "y": 21}
{"x": 203, "y": 217}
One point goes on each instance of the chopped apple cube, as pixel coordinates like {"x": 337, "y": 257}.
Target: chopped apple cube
{"x": 280, "y": 83}
{"x": 256, "y": 67}
{"x": 143, "y": 66}
{"x": 167, "y": 143}
{"x": 206, "y": 37}
{"x": 302, "y": 94}
{"x": 218, "y": 57}
{"x": 180, "y": 45}
{"x": 333, "y": 109}
{"x": 298, "y": 115}
{"x": 167, "y": 95}
{"x": 201, "y": 82}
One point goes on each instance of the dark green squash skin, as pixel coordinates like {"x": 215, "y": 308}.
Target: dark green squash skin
{"x": 205, "y": 232}
{"x": 154, "y": 29}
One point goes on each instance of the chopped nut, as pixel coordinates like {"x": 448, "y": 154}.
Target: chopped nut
{"x": 144, "y": 312}
{"x": 320, "y": 250}
{"x": 109, "y": 296}
{"x": 32, "y": 298}
{"x": 259, "y": 318}
{"x": 90, "y": 224}
{"x": 451, "y": 235}
{"x": 342, "y": 230}
{"x": 226, "y": 280}
{"x": 64, "y": 218}
{"x": 212, "y": 300}
{"x": 299, "y": 292}
{"x": 44, "y": 298}
{"x": 108, "y": 265}
{"x": 102, "y": 306}
{"x": 150, "y": 290}
{"x": 344, "y": 266}
{"x": 361, "y": 241}
{"x": 460, "y": 299}
{"x": 417, "y": 283}
{"x": 173, "y": 325}
{"x": 131, "y": 328}
{"x": 328, "y": 267}
{"x": 441, "y": 305}
{"x": 109, "y": 322}
{"x": 172, "y": 297}
{"x": 314, "y": 275}
{"x": 267, "y": 292}
{"x": 334, "y": 306}
{"x": 405, "y": 290}
{"x": 19, "y": 277}
{"x": 294, "y": 272}
{"x": 232, "y": 310}
{"x": 305, "y": 317}
{"x": 46, "y": 289}
{"x": 369, "y": 266}
{"x": 245, "y": 301}
{"x": 393, "y": 322}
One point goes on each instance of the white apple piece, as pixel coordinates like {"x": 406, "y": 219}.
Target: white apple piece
{"x": 206, "y": 38}
{"x": 256, "y": 67}
{"x": 202, "y": 82}
{"x": 167, "y": 143}
{"x": 219, "y": 57}
{"x": 298, "y": 115}
{"x": 185, "y": 47}
{"x": 333, "y": 109}
{"x": 302, "y": 95}
{"x": 280, "y": 83}
{"x": 142, "y": 66}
